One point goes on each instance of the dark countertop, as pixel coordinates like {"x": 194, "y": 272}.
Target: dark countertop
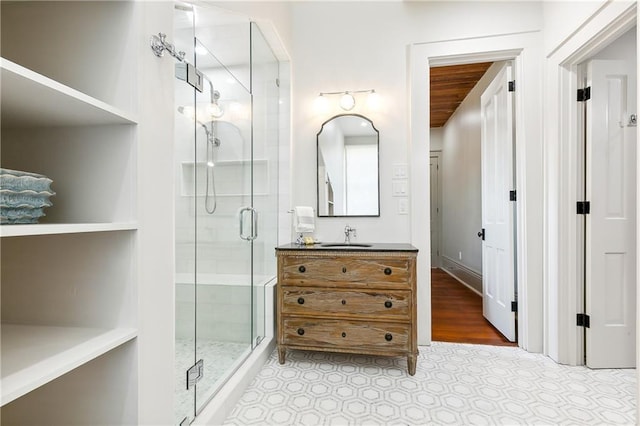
{"x": 354, "y": 247}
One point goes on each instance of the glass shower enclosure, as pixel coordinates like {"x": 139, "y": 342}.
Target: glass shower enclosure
{"x": 226, "y": 145}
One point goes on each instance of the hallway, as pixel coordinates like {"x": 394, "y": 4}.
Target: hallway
{"x": 456, "y": 314}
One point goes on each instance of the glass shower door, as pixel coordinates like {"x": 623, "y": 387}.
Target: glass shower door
{"x": 226, "y": 197}
{"x": 224, "y": 223}
{"x": 265, "y": 93}
{"x": 185, "y": 222}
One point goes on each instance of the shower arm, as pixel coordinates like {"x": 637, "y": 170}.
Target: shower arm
{"x": 159, "y": 45}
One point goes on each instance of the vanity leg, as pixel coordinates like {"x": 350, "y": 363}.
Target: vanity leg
{"x": 411, "y": 364}
{"x": 281, "y": 353}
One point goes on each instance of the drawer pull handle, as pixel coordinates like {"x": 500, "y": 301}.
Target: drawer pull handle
{"x": 301, "y": 300}
{"x": 302, "y": 269}
{"x": 344, "y": 334}
{"x": 387, "y": 271}
{"x": 344, "y": 270}
{"x": 344, "y": 302}
{"x": 388, "y": 304}
{"x": 301, "y": 332}
{"x": 388, "y": 337}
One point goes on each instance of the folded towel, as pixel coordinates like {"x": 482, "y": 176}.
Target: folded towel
{"x": 304, "y": 219}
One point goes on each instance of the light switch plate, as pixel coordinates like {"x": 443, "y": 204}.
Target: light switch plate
{"x": 399, "y": 188}
{"x": 400, "y": 171}
{"x": 403, "y": 206}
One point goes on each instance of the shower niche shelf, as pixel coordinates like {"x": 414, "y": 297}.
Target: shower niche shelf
{"x": 235, "y": 174}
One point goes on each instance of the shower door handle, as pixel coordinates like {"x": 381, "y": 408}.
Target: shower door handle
{"x": 254, "y": 224}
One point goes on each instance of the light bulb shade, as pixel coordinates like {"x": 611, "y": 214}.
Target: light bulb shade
{"x": 347, "y": 102}
{"x": 321, "y": 104}
{"x": 373, "y": 101}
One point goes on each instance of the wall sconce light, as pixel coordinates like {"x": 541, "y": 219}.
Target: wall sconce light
{"x": 347, "y": 100}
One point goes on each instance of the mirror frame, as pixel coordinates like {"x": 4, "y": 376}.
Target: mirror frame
{"x": 318, "y": 164}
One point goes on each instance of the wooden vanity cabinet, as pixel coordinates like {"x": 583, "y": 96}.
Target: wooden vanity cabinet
{"x": 352, "y": 301}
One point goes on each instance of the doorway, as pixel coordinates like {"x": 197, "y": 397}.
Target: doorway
{"x": 607, "y": 204}
{"x": 563, "y": 251}
{"x": 524, "y": 50}
{"x": 475, "y": 141}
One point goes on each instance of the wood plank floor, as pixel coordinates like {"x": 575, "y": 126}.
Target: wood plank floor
{"x": 456, "y": 314}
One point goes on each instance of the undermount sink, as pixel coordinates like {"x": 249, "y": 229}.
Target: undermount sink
{"x": 345, "y": 245}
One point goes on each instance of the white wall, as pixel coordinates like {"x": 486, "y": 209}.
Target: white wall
{"x": 328, "y": 55}
{"x": 622, "y": 48}
{"x": 461, "y": 179}
{"x": 276, "y": 14}
{"x": 436, "y": 135}
{"x": 156, "y": 218}
{"x": 562, "y": 18}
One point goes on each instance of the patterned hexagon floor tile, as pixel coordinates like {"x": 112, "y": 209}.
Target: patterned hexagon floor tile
{"x": 457, "y": 384}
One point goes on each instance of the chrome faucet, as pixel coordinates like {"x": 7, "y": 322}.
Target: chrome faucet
{"x": 347, "y": 234}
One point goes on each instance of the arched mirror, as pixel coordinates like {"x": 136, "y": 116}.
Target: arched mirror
{"x": 348, "y": 182}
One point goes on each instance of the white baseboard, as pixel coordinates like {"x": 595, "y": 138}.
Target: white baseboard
{"x": 466, "y": 276}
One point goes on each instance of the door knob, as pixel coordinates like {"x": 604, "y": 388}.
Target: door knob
{"x": 481, "y": 234}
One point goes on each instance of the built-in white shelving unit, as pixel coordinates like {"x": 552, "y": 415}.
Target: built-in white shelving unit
{"x": 57, "y": 105}
{"x": 70, "y": 283}
{"x": 64, "y": 228}
{"x": 35, "y": 355}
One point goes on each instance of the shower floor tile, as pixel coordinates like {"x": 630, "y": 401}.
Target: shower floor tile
{"x": 219, "y": 358}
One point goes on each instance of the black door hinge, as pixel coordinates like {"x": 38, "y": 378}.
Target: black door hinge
{"x": 584, "y": 94}
{"x": 512, "y": 195}
{"x": 512, "y": 86}
{"x": 583, "y": 320}
{"x": 514, "y": 306}
{"x": 583, "y": 207}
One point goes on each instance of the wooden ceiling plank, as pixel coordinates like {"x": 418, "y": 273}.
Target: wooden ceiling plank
{"x": 449, "y": 86}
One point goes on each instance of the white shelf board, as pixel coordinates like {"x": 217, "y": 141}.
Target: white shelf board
{"x": 35, "y": 355}
{"x": 56, "y": 105}
{"x": 64, "y": 228}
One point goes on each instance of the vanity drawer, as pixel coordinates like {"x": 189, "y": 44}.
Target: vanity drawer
{"x": 354, "y": 336}
{"x": 392, "y": 304}
{"x": 347, "y": 271}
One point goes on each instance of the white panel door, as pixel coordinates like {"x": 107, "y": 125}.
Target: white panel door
{"x": 498, "y": 278}
{"x": 610, "y": 281}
